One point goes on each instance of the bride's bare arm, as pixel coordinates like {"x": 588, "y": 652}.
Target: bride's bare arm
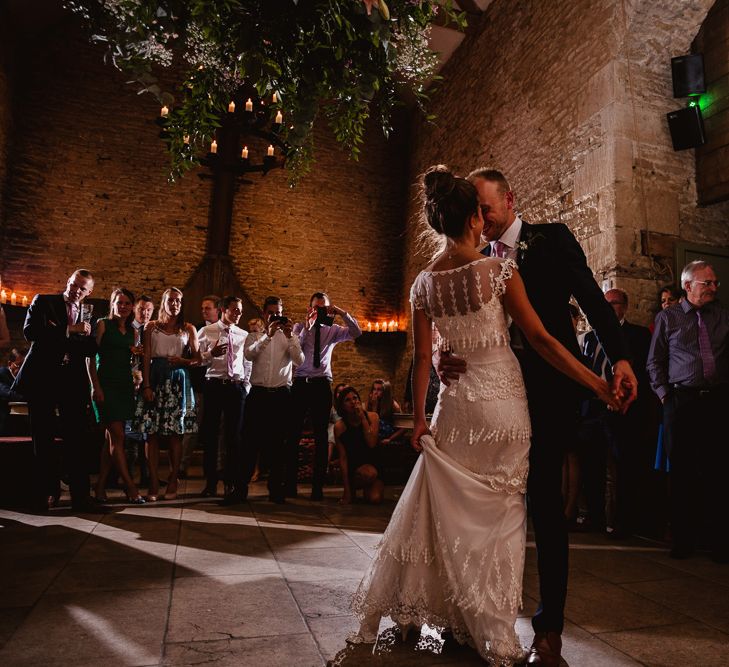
{"x": 547, "y": 346}
{"x": 423, "y": 350}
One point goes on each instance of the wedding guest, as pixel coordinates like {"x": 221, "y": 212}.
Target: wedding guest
{"x": 53, "y": 378}
{"x": 688, "y": 364}
{"x": 221, "y": 349}
{"x": 167, "y": 408}
{"x": 667, "y": 297}
{"x": 113, "y": 389}
{"x": 256, "y": 325}
{"x": 4, "y": 331}
{"x": 312, "y": 387}
{"x": 210, "y": 313}
{"x": 274, "y": 353}
{"x": 381, "y": 401}
{"x": 135, "y": 443}
{"x": 356, "y": 438}
{"x": 7, "y": 378}
{"x": 334, "y": 417}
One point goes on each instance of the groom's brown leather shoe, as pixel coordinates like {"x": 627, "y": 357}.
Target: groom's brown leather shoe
{"x": 546, "y": 650}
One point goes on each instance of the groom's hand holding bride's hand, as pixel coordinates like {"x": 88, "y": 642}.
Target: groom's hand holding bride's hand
{"x": 624, "y": 385}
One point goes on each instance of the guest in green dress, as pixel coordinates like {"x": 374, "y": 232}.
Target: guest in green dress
{"x": 113, "y": 388}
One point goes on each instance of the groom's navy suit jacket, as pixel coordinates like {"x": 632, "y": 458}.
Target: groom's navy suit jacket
{"x": 45, "y": 329}
{"x": 554, "y": 268}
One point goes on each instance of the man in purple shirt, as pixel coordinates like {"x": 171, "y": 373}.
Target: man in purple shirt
{"x": 312, "y": 387}
{"x": 688, "y": 365}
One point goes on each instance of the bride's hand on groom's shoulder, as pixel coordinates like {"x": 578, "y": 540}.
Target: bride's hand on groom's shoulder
{"x": 419, "y": 430}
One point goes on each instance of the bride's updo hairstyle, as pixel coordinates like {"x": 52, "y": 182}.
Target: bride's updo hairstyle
{"x": 448, "y": 200}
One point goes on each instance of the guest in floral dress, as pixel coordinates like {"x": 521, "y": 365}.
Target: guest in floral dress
{"x": 166, "y": 408}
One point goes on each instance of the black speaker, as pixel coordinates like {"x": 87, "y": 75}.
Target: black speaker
{"x": 688, "y": 75}
{"x": 687, "y": 128}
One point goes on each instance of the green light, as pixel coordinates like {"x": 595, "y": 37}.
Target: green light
{"x": 693, "y": 103}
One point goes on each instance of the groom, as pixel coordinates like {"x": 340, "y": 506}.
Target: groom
{"x": 554, "y": 268}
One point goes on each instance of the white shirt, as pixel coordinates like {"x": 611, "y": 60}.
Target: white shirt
{"x": 208, "y": 338}
{"x": 273, "y": 358}
{"x": 510, "y": 238}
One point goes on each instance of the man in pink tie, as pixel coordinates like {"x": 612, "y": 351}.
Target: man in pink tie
{"x": 225, "y": 391}
{"x": 53, "y": 378}
{"x": 688, "y": 365}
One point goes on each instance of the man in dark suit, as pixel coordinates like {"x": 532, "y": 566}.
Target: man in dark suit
{"x": 53, "y": 376}
{"x": 619, "y": 444}
{"x": 554, "y": 269}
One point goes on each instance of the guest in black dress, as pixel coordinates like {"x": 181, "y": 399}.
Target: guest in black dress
{"x": 356, "y": 438}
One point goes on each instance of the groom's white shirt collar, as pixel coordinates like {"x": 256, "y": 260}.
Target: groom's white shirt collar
{"x": 511, "y": 236}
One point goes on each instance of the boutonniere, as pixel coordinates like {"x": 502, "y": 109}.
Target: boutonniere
{"x": 526, "y": 244}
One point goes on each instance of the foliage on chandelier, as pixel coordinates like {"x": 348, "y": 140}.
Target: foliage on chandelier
{"x": 344, "y": 59}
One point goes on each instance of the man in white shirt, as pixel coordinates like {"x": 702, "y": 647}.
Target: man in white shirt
{"x": 274, "y": 353}
{"x": 221, "y": 348}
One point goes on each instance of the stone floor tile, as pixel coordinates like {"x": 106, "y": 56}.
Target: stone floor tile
{"x": 672, "y": 645}
{"x": 323, "y": 564}
{"x": 366, "y": 540}
{"x": 90, "y": 629}
{"x": 207, "y": 608}
{"x": 324, "y": 598}
{"x": 590, "y": 597}
{"x": 698, "y": 566}
{"x": 299, "y": 650}
{"x": 303, "y": 537}
{"x": 703, "y": 600}
{"x": 215, "y": 559}
{"x": 619, "y": 566}
{"x": 79, "y": 577}
{"x": 118, "y": 544}
{"x": 10, "y": 620}
{"x": 580, "y": 648}
{"x": 23, "y": 581}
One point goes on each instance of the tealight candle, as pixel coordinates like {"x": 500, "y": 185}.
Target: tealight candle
{"x": 13, "y": 299}
{"x": 377, "y": 326}
{"x": 244, "y": 153}
{"x": 270, "y": 151}
{"x": 369, "y": 326}
{"x": 231, "y": 107}
{"x": 25, "y": 301}
{"x": 249, "y": 104}
{"x": 274, "y": 98}
{"x": 279, "y": 118}
{"x": 214, "y": 147}
{"x": 3, "y": 296}
{"x": 164, "y": 111}
{"x": 384, "y": 326}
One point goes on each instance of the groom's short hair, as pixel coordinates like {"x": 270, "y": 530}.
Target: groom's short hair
{"x": 493, "y": 175}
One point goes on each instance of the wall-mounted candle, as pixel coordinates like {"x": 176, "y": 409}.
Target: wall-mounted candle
{"x": 391, "y": 326}
{"x": 377, "y": 326}
{"x": 214, "y": 147}
{"x": 397, "y": 325}
{"x": 279, "y": 118}
{"x": 25, "y": 301}
{"x": 164, "y": 111}
{"x": 384, "y": 326}
{"x": 231, "y": 107}
{"x": 369, "y": 326}
{"x": 244, "y": 153}
{"x": 186, "y": 139}
{"x": 3, "y": 296}
{"x": 249, "y": 104}
{"x": 270, "y": 151}
{"x": 274, "y": 98}
{"x": 13, "y": 299}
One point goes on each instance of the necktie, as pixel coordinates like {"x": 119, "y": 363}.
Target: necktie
{"x": 500, "y": 249}
{"x": 229, "y": 355}
{"x": 317, "y": 345}
{"x": 71, "y": 313}
{"x": 707, "y": 355}
{"x": 600, "y": 364}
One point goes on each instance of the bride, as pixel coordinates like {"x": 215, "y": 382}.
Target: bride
{"x": 453, "y": 553}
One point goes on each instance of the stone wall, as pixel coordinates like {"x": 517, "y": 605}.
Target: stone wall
{"x": 88, "y": 188}
{"x": 5, "y": 103}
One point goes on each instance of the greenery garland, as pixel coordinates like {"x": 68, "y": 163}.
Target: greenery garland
{"x": 344, "y": 59}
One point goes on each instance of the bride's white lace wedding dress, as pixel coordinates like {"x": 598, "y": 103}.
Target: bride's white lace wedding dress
{"x": 453, "y": 553}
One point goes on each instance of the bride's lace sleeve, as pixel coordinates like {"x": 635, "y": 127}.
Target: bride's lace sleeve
{"x": 498, "y": 282}
{"x": 418, "y": 295}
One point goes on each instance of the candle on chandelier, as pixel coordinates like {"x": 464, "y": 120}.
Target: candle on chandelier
{"x": 274, "y": 98}
{"x": 164, "y": 111}
{"x": 25, "y": 301}
{"x": 369, "y": 326}
{"x": 231, "y": 107}
{"x": 3, "y": 296}
{"x": 214, "y": 147}
{"x": 397, "y": 325}
{"x": 13, "y": 299}
{"x": 391, "y": 326}
{"x": 270, "y": 151}
{"x": 244, "y": 153}
{"x": 384, "y": 327}
{"x": 186, "y": 139}
{"x": 279, "y": 118}
{"x": 377, "y": 326}
{"x": 249, "y": 104}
